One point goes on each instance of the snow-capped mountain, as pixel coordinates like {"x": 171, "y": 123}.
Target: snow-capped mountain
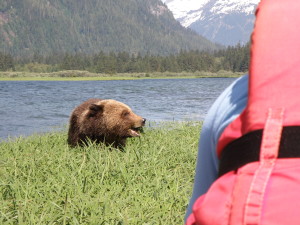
{"x": 227, "y": 22}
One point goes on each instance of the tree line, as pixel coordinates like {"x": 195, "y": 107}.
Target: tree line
{"x": 233, "y": 58}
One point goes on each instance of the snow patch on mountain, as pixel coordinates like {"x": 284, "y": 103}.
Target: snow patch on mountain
{"x": 229, "y": 6}
{"x": 186, "y": 11}
{"x": 224, "y": 21}
{"x": 190, "y": 11}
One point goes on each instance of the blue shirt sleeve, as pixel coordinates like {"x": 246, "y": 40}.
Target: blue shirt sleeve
{"x": 224, "y": 110}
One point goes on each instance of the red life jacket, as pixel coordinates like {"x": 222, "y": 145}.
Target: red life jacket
{"x": 259, "y": 152}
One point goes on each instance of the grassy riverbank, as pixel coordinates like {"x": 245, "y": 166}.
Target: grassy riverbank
{"x": 43, "y": 181}
{"x": 77, "y": 75}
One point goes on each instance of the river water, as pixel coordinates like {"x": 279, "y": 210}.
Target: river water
{"x": 28, "y": 107}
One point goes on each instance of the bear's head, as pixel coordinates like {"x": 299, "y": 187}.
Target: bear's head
{"x": 114, "y": 119}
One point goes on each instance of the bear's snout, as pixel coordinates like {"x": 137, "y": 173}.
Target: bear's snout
{"x": 141, "y": 123}
{"x": 137, "y": 128}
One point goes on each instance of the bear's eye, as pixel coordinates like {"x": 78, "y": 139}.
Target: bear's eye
{"x": 125, "y": 113}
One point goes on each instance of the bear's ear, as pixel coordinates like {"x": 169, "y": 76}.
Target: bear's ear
{"x": 95, "y": 109}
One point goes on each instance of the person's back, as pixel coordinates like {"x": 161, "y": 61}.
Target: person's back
{"x": 259, "y": 153}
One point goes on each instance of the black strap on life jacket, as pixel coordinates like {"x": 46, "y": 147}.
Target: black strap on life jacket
{"x": 246, "y": 149}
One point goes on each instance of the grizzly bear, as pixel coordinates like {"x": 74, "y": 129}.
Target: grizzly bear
{"x": 107, "y": 121}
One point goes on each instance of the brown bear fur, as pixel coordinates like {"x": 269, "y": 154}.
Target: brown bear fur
{"x": 107, "y": 121}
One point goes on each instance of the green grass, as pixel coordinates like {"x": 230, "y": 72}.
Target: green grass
{"x": 77, "y": 75}
{"x": 43, "y": 181}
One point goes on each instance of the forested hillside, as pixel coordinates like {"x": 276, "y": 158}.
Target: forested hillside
{"x": 45, "y": 27}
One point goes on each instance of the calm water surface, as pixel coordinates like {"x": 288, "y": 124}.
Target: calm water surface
{"x": 28, "y": 107}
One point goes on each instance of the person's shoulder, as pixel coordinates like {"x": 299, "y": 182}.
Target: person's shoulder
{"x": 236, "y": 89}
{"x": 232, "y": 96}
{"x": 227, "y": 106}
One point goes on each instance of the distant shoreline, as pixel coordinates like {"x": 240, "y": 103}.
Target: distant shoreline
{"x": 76, "y": 75}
